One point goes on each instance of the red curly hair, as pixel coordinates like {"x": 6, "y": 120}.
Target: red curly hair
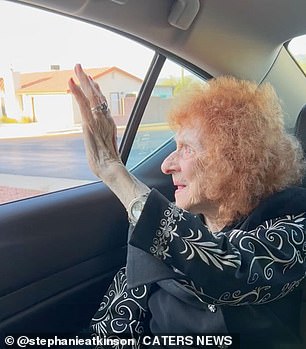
{"x": 248, "y": 153}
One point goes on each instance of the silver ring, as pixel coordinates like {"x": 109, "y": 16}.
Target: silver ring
{"x": 103, "y": 107}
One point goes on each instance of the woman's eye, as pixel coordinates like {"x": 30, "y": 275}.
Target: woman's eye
{"x": 187, "y": 151}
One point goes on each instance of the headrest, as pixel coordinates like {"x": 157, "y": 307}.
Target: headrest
{"x": 300, "y": 128}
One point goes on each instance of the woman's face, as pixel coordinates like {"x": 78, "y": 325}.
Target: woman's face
{"x": 181, "y": 164}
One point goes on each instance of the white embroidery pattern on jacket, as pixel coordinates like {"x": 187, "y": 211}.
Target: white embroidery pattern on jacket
{"x": 121, "y": 312}
{"x": 275, "y": 250}
{"x": 208, "y": 251}
{"x": 259, "y": 295}
{"x": 166, "y": 231}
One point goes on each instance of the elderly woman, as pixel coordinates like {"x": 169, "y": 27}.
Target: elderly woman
{"x": 230, "y": 254}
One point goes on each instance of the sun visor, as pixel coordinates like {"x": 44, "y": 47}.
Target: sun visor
{"x": 183, "y": 13}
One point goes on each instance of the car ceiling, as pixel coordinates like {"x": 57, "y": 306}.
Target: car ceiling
{"x": 235, "y": 37}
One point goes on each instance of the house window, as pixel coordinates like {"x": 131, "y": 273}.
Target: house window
{"x": 115, "y": 103}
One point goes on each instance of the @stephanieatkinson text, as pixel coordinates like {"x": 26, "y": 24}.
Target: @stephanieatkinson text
{"x": 27, "y": 341}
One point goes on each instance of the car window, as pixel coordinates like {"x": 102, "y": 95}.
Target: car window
{"x": 297, "y": 47}
{"x": 154, "y": 130}
{"x": 41, "y": 145}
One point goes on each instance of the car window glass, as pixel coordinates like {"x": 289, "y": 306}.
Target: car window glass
{"x": 154, "y": 130}
{"x": 41, "y": 145}
{"x": 297, "y": 47}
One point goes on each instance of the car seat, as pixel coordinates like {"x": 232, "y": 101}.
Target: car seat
{"x": 300, "y": 133}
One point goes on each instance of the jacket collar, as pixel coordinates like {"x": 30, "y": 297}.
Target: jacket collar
{"x": 290, "y": 201}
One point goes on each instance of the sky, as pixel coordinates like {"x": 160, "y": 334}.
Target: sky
{"x": 32, "y": 40}
{"x": 298, "y": 45}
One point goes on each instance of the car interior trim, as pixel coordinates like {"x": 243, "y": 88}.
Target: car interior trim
{"x": 42, "y": 289}
{"x": 140, "y": 105}
{"x": 183, "y": 13}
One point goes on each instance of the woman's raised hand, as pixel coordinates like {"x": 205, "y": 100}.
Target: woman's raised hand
{"x": 100, "y": 137}
{"x": 100, "y": 132}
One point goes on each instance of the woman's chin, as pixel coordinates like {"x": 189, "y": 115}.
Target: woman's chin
{"x": 181, "y": 202}
{"x": 180, "y": 199}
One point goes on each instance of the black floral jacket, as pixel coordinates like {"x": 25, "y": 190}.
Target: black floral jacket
{"x": 244, "y": 279}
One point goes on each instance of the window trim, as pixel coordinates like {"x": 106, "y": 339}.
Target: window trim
{"x": 286, "y": 44}
{"x": 140, "y": 105}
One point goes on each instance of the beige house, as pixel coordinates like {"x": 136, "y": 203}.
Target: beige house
{"x": 45, "y": 96}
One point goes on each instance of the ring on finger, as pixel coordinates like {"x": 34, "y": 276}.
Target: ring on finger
{"x": 103, "y": 107}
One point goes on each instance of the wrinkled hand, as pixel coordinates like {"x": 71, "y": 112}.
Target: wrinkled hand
{"x": 100, "y": 132}
{"x": 100, "y": 137}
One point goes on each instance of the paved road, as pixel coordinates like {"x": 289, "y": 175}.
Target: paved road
{"x": 63, "y": 156}
{"x": 51, "y": 156}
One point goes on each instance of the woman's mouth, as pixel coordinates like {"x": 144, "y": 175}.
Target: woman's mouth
{"x": 179, "y": 188}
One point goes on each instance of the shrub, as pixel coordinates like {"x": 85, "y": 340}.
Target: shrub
{"x": 26, "y": 120}
{"x": 6, "y": 120}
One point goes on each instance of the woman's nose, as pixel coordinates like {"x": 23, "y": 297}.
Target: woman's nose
{"x": 170, "y": 164}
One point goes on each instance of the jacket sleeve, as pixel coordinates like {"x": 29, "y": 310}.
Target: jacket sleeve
{"x": 234, "y": 267}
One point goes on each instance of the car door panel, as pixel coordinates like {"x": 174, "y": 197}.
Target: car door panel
{"x": 58, "y": 242}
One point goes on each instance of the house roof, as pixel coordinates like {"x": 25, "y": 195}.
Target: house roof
{"x": 56, "y": 81}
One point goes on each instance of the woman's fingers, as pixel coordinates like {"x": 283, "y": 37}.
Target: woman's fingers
{"x": 99, "y": 128}
{"x": 82, "y": 101}
{"x": 78, "y": 93}
{"x": 96, "y": 87}
{"x": 93, "y": 94}
{"x": 84, "y": 80}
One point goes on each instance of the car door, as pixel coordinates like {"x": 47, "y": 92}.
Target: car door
{"x": 59, "y": 252}
{"x": 61, "y": 248}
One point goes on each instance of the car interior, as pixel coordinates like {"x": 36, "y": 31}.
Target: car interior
{"x": 60, "y": 251}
